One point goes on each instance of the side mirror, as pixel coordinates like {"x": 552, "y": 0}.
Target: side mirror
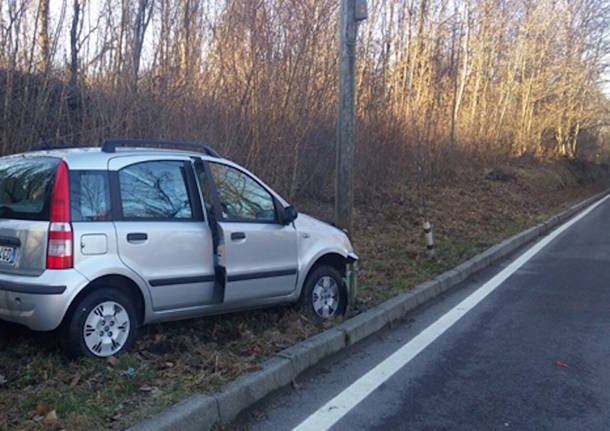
{"x": 290, "y": 214}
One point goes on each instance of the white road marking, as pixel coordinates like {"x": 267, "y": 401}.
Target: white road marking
{"x": 335, "y": 409}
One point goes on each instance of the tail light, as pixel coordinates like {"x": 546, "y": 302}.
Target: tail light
{"x": 61, "y": 238}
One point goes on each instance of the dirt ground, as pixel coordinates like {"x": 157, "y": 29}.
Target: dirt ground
{"x": 41, "y": 389}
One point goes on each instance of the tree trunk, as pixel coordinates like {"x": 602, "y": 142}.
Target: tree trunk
{"x": 44, "y": 35}
{"x": 74, "y": 44}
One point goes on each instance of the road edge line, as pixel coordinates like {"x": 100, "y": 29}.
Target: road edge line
{"x": 203, "y": 412}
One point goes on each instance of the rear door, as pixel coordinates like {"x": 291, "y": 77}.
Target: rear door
{"x": 161, "y": 231}
{"x": 26, "y": 186}
{"x": 260, "y": 254}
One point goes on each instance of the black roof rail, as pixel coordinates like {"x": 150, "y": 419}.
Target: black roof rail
{"x": 110, "y": 145}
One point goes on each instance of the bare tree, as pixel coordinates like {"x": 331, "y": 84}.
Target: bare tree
{"x": 258, "y": 78}
{"x": 75, "y": 29}
{"x": 45, "y": 50}
{"x": 142, "y": 19}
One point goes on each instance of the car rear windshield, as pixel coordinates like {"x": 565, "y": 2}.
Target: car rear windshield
{"x": 26, "y": 186}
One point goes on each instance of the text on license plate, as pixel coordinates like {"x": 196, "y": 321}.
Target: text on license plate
{"x": 7, "y": 255}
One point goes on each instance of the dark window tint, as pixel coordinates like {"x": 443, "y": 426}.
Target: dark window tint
{"x": 90, "y": 198}
{"x": 155, "y": 190}
{"x": 241, "y": 197}
{"x": 26, "y": 186}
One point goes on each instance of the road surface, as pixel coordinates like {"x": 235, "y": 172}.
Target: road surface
{"x": 524, "y": 345}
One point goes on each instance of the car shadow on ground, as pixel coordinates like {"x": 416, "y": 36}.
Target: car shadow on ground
{"x": 13, "y": 335}
{"x": 224, "y": 331}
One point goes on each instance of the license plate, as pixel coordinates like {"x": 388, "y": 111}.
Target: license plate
{"x": 7, "y": 255}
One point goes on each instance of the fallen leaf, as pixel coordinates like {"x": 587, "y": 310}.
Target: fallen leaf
{"x": 75, "y": 380}
{"x": 51, "y": 417}
{"x": 153, "y": 390}
{"x": 169, "y": 364}
{"x": 113, "y": 361}
{"x": 562, "y": 364}
{"x": 42, "y": 409}
{"x": 148, "y": 355}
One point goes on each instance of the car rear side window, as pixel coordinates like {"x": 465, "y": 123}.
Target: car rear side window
{"x": 90, "y": 196}
{"x": 155, "y": 190}
{"x": 26, "y": 186}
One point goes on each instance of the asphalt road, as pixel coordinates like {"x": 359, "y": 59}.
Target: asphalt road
{"x": 532, "y": 355}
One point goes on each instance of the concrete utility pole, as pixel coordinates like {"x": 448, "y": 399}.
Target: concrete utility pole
{"x": 352, "y": 11}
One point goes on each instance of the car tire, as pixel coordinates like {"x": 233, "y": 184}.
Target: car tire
{"x": 102, "y": 323}
{"x": 324, "y": 295}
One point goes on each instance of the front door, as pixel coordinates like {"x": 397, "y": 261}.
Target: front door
{"x": 259, "y": 253}
{"x": 161, "y": 231}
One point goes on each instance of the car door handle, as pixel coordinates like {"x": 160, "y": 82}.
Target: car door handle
{"x": 136, "y": 237}
{"x": 236, "y": 236}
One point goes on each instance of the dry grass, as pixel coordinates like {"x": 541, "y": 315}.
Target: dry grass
{"x": 174, "y": 360}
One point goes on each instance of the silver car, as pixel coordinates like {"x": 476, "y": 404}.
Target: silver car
{"x": 95, "y": 242}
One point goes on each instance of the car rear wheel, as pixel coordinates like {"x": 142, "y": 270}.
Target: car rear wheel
{"x": 324, "y": 295}
{"x": 103, "y": 323}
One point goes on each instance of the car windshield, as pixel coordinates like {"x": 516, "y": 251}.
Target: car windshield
{"x": 25, "y": 187}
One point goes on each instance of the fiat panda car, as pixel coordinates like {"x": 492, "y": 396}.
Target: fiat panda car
{"x": 95, "y": 242}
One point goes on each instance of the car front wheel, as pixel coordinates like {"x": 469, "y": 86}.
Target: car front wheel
{"x": 324, "y": 294}
{"x": 103, "y": 323}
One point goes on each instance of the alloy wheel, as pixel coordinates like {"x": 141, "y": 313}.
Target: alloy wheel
{"x": 106, "y": 329}
{"x": 325, "y": 297}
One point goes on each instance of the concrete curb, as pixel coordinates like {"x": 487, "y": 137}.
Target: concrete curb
{"x": 201, "y": 412}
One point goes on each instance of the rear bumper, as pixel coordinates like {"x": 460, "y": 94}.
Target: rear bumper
{"x": 31, "y": 289}
{"x": 39, "y": 303}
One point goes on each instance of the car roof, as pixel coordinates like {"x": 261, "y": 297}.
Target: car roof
{"x": 95, "y": 158}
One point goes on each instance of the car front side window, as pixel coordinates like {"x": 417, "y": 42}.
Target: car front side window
{"x": 241, "y": 197}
